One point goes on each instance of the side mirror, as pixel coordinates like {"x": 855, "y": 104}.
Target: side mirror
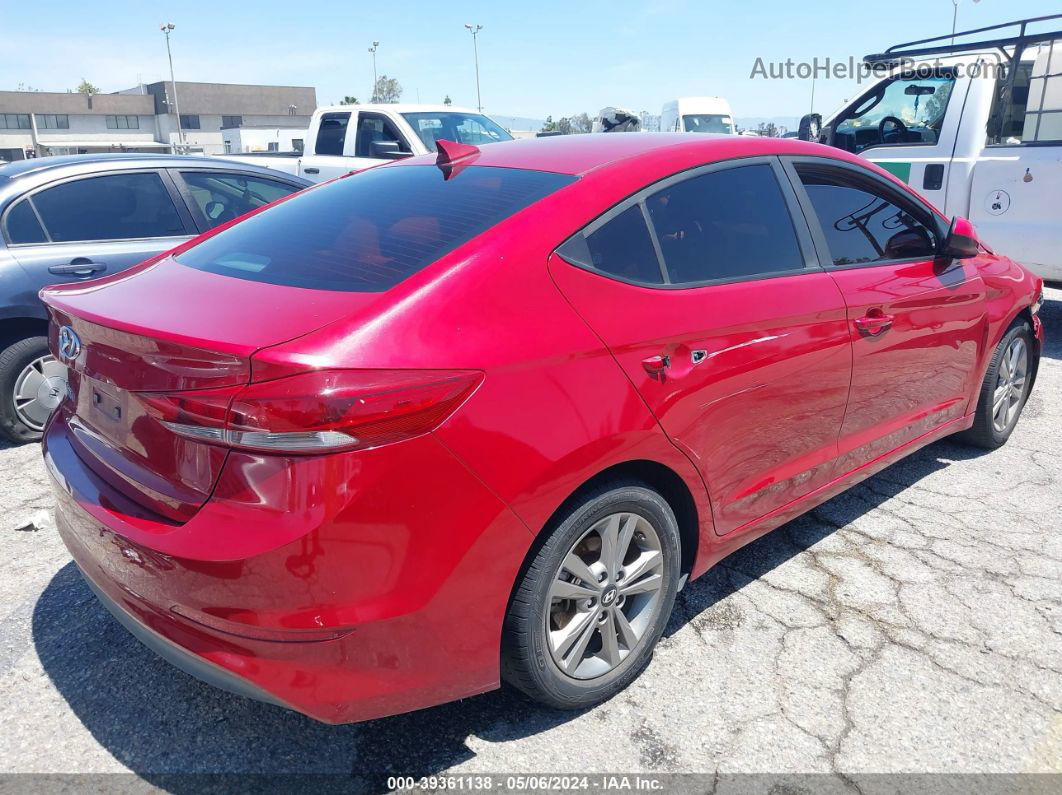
{"x": 961, "y": 242}
{"x": 810, "y": 127}
{"x": 387, "y": 150}
{"x": 909, "y": 243}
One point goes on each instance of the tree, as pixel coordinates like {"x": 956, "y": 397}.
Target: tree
{"x": 388, "y": 90}
{"x": 350, "y": 101}
{"x": 447, "y": 100}
{"x": 768, "y": 129}
{"x": 550, "y": 125}
{"x": 581, "y": 123}
{"x": 87, "y": 88}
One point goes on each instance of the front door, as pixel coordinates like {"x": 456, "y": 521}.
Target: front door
{"x": 703, "y": 289}
{"x": 917, "y": 321}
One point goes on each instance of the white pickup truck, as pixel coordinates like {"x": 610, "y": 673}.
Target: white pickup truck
{"x": 975, "y": 125}
{"x": 345, "y": 138}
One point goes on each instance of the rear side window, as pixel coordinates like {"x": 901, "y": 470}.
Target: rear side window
{"x": 727, "y": 224}
{"x": 622, "y": 248}
{"x": 332, "y": 133}
{"x": 114, "y": 207}
{"x": 862, "y": 224}
{"x": 22, "y": 225}
{"x": 221, "y": 197}
{"x": 370, "y": 231}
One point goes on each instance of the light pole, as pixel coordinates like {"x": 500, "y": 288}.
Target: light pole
{"x": 167, "y": 27}
{"x": 955, "y": 18}
{"x": 474, "y": 30}
{"x": 372, "y": 52}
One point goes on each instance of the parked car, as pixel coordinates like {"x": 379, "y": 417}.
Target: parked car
{"x": 697, "y": 115}
{"x": 975, "y": 126}
{"x": 345, "y": 138}
{"x": 515, "y": 398}
{"x": 68, "y": 219}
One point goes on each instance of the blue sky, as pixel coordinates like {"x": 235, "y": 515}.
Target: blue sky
{"x": 537, "y": 57}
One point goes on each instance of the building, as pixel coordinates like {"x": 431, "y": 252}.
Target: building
{"x": 144, "y": 118}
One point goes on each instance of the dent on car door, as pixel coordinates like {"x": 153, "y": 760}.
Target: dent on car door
{"x": 917, "y": 321}
{"x": 89, "y": 227}
{"x": 704, "y": 291}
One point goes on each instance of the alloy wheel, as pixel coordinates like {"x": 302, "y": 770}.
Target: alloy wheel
{"x": 605, "y": 596}
{"x": 1010, "y": 384}
{"x": 38, "y": 390}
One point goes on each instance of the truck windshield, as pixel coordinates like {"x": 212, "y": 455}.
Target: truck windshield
{"x": 369, "y": 232}
{"x": 464, "y": 128}
{"x": 707, "y": 123}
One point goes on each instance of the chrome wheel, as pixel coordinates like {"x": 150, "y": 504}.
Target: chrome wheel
{"x": 605, "y": 596}
{"x": 38, "y": 391}
{"x": 1010, "y": 384}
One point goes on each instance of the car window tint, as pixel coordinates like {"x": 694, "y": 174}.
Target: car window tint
{"x": 222, "y": 197}
{"x": 22, "y": 225}
{"x": 860, "y": 224}
{"x": 623, "y": 248}
{"x": 332, "y": 133}
{"x": 369, "y": 232}
{"x": 113, "y": 207}
{"x": 726, "y": 224}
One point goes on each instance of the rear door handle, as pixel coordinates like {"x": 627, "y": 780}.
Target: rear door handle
{"x": 80, "y": 266}
{"x": 874, "y": 323}
{"x": 311, "y": 171}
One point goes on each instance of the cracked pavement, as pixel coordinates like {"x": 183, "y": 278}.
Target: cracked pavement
{"x": 912, "y": 624}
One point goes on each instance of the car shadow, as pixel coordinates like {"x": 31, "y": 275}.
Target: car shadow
{"x": 170, "y": 729}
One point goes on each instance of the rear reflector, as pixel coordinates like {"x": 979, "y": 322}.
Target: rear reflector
{"x": 321, "y": 411}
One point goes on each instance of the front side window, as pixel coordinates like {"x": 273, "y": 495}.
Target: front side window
{"x": 861, "y": 223}
{"x": 373, "y": 128}
{"x": 367, "y": 234}
{"x": 464, "y": 128}
{"x": 903, "y": 110}
{"x": 222, "y": 197}
{"x": 332, "y": 133}
{"x": 113, "y": 207}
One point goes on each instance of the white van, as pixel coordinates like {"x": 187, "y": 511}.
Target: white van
{"x": 975, "y": 125}
{"x": 697, "y": 115}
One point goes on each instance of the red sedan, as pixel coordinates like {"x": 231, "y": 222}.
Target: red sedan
{"x": 455, "y": 421}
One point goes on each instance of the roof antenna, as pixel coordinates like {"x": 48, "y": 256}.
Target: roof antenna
{"x": 454, "y": 156}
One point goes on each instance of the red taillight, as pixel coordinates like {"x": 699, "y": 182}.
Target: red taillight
{"x": 321, "y": 411}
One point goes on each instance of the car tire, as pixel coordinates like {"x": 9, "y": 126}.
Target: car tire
{"x": 15, "y": 360}
{"x": 997, "y": 411}
{"x": 554, "y": 610}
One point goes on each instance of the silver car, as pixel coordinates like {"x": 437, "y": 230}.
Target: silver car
{"x": 75, "y": 218}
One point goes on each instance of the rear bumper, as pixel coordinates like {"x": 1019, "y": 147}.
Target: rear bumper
{"x": 380, "y": 605}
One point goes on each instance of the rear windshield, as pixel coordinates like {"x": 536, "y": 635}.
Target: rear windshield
{"x": 368, "y": 232}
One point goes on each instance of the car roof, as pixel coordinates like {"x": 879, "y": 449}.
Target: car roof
{"x": 580, "y": 154}
{"x": 24, "y": 174}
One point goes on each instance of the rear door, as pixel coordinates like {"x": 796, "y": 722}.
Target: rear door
{"x": 917, "y": 321}
{"x": 332, "y": 149}
{"x": 706, "y": 291}
{"x": 87, "y": 227}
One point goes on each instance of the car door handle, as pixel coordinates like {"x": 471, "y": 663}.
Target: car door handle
{"x": 874, "y": 323}
{"x": 78, "y": 267}
{"x": 311, "y": 171}
{"x": 656, "y": 364}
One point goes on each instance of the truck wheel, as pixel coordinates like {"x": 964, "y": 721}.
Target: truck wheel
{"x": 595, "y": 598}
{"x": 32, "y": 383}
